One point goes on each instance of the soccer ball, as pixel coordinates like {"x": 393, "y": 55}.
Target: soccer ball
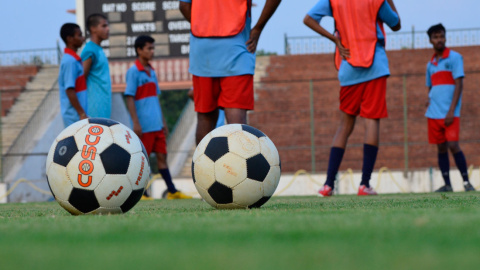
{"x": 97, "y": 166}
{"x": 236, "y": 166}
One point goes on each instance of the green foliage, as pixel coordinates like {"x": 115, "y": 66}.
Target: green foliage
{"x": 172, "y": 103}
{"x": 264, "y": 53}
{"x": 408, "y": 231}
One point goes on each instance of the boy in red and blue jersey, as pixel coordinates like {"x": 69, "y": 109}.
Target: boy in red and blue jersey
{"x": 362, "y": 65}
{"x": 144, "y": 107}
{"x": 222, "y": 58}
{"x": 445, "y": 85}
{"x": 71, "y": 79}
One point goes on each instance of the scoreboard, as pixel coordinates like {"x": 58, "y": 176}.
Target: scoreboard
{"x": 129, "y": 19}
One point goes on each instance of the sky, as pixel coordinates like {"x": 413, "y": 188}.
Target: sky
{"x": 35, "y": 24}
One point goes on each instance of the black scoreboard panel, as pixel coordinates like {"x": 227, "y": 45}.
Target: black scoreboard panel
{"x": 129, "y": 19}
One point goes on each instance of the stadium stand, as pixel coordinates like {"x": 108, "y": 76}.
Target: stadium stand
{"x": 13, "y": 80}
{"x": 282, "y": 111}
{"x": 28, "y": 99}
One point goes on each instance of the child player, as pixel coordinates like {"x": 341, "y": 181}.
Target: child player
{"x": 144, "y": 107}
{"x": 95, "y": 65}
{"x": 71, "y": 81}
{"x": 362, "y": 66}
{"x": 445, "y": 83}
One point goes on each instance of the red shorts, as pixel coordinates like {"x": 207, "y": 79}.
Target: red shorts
{"x": 226, "y": 92}
{"x": 154, "y": 142}
{"x": 439, "y": 133}
{"x": 366, "y": 99}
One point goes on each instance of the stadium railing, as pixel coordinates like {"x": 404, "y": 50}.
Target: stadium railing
{"x": 395, "y": 41}
{"x": 38, "y": 57}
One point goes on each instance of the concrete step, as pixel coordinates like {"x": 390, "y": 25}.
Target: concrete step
{"x": 26, "y": 104}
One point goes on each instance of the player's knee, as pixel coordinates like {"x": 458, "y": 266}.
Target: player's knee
{"x": 454, "y": 147}
{"x": 442, "y": 148}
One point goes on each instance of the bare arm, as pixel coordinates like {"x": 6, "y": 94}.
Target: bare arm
{"x": 267, "y": 12}
{"x": 315, "y": 26}
{"x": 133, "y": 113}
{"x": 398, "y": 26}
{"x": 455, "y": 99}
{"x": 87, "y": 64}
{"x": 186, "y": 10}
{"x": 72, "y": 97}
{"x": 165, "y": 127}
{"x": 428, "y": 99}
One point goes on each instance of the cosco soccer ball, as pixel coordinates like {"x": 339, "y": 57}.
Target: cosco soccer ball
{"x": 236, "y": 166}
{"x": 97, "y": 166}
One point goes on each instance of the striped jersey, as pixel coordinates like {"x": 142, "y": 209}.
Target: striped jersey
{"x": 441, "y": 76}
{"x": 71, "y": 76}
{"x": 143, "y": 86}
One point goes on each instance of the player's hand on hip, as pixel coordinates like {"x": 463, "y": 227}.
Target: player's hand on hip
{"x": 344, "y": 52}
{"x": 252, "y": 42}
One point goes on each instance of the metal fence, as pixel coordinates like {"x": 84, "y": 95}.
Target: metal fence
{"x": 395, "y": 41}
{"x": 38, "y": 57}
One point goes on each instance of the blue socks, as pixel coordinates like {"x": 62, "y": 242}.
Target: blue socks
{"x": 444, "y": 165}
{"x": 369, "y": 158}
{"x": 461, "y": 163}
{"x": 336, "y": 156}
{"x": 168, "y": 180}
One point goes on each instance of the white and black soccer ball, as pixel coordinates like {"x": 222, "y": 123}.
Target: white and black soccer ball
{"x": 97, "y": 166}
{"x": 236, "y": 166}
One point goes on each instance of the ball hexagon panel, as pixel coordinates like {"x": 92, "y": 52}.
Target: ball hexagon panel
{"x": 271, "y": 181}
{"x": 247, "y": 192}
{"x": 64, "y": 151}
{"x": 260, "y": 202}
{"x": 253, "y": 131}
{"x": 225, "y": 130}
{"x": 102, "y": 121}
{"x": 204, "y": 194}
{"x": 67, "y": 206}
{"x": 139, "y": 171}
{"x": 85, "y": 173}
{"x": 243, "y": 144}
{"x": 220, "y": 193}
{"x": 83, "y": 200}
{"x": 132, "y": 200}
{"x": 257, "y": 168}
{"x": 204, "y": 171}
{"x": 200, "y": 149}
{"x": 113, "y": 190}
{"x": 230, "y": 170}
{"x": 106, "y": 211}
{"x": 126, "y": 138}
{"x": 217, "y": 147}
{"x": 93, "y": 138}
{"x": 269, "y": 151}
{"x": 115, "y": 160}
{"x": 72, "y": 129}
{"x": 58, "y": 181}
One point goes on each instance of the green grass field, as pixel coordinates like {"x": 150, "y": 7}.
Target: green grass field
{"x": 408, "y": 231}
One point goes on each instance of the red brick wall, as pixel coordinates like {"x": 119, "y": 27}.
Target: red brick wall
{"x": 12, "y": 81}
{"x": 282, "y": 111}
